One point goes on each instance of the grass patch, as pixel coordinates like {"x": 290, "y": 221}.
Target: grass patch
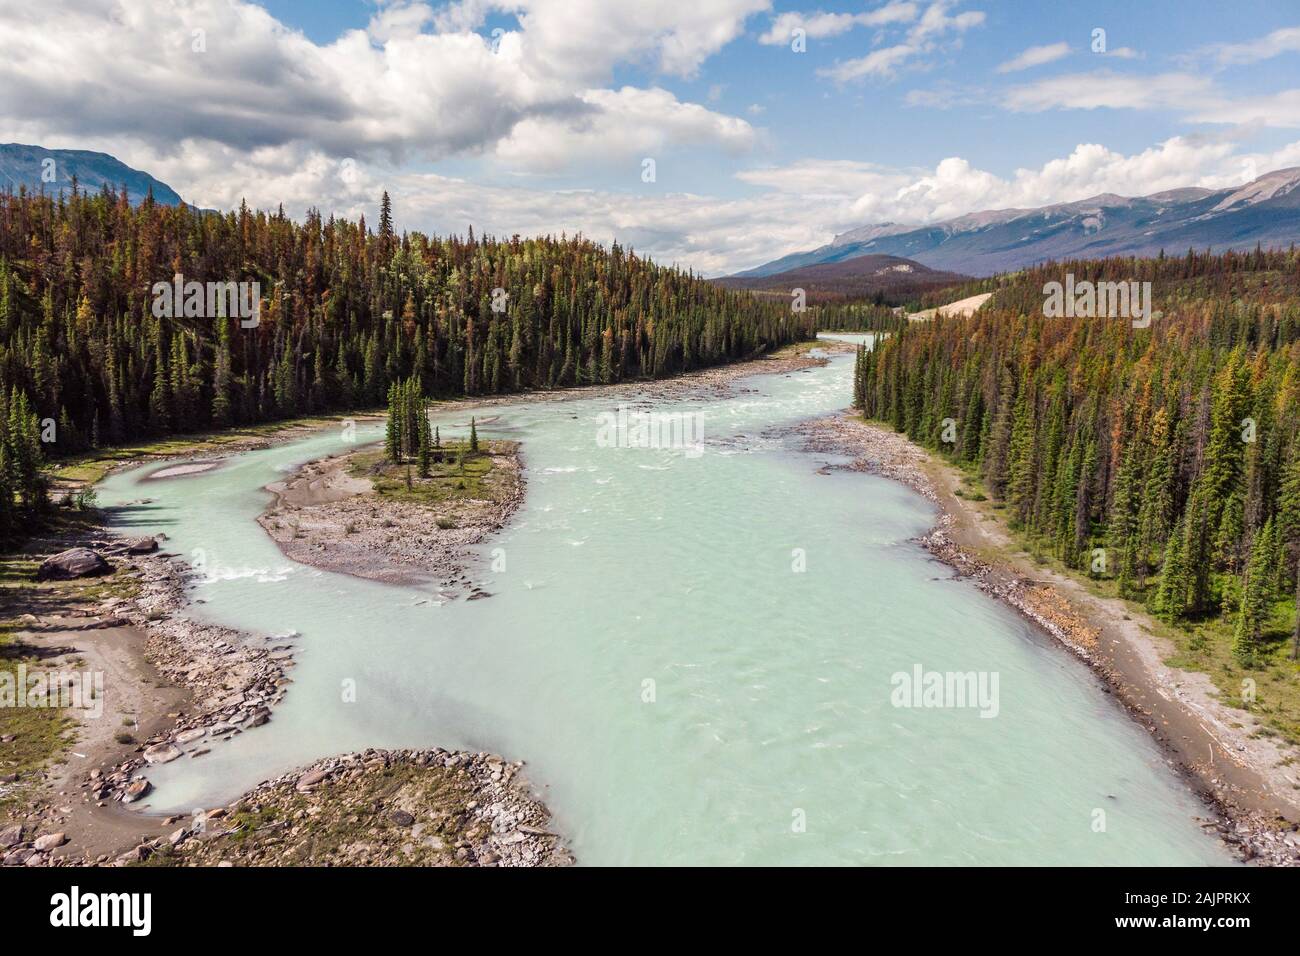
{"x": 90, "y": 468}
{"x": 41, "y": 734}
{"x": 449, "y": 480}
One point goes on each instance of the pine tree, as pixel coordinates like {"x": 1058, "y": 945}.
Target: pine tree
{"x": 392, "y": 438}
{"x": 1256, "y": 598}
{"x": 473, "y": 436}
{"x": 1171, "y": 594}
{"x": 425, "y": 449}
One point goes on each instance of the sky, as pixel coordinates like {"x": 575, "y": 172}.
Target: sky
{"x": 714, "y": 134}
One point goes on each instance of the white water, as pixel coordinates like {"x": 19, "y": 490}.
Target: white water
{"x": 772, "y": 687}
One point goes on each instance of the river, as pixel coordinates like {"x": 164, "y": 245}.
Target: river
{"x": 693, "y": 650}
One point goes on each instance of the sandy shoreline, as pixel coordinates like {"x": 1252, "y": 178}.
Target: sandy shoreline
{"x": 1246, "y": 782}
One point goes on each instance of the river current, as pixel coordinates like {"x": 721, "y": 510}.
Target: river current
{"x": 705, "y": 654}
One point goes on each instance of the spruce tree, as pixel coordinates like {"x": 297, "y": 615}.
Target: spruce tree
{"x": 1256, "y": 598}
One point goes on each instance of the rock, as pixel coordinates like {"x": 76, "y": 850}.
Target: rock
{"x": 161, "y": 753}
{"x": 185, "y": 736}
{"x": 73, "y": 563}
{"x": 11, "y": 836}
{"x": 177, "y": 838}
{"x": 310, "y": 779}
{"x": 401, "y": 818}
{"x": 50, "y": 841}
{"x": 136, "y": 790}
{"x": 142, "y": 545}
{"x": 18, "y": 857}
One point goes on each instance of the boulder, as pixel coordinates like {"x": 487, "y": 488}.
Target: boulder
{"x": 136, "y": 790}
{"x": 161, "y": 753}
{"x": 73, "y": 563}
{"x": 50, "y": 841}
{"x": 310, "y": 779}
{"x": 401, "y": 818}
{"x": 11, "y": 836}
{"x": 142, "y": 545}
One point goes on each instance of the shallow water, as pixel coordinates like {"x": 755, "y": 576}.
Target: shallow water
{"x": 692, "y": 649}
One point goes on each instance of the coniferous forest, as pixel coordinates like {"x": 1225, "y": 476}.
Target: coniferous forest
{"x": 346, "y": 312}
{"x": 1166, "y": 458}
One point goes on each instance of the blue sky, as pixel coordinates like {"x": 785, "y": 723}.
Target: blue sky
{"x": 896, "y": 111}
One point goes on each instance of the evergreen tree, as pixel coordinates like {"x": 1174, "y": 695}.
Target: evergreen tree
{"x": 1256, "y": 598}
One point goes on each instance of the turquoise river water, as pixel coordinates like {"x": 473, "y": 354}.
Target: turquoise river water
{"x": 693, "y": 649}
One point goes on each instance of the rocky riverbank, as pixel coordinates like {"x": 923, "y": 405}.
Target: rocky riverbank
{"x": 1249, "y": 790}
{"x": 473, "y": 806}
{"x": 328, "y": 517}
{"x": 376, "y": 808}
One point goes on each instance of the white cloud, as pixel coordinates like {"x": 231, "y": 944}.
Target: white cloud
{"x": 622, "y": 125}
{"x": 1035, "y": 56}
{"x": 1280, "y": 109}
{"x": 936, "y": 21}
{"x": 881, "y": 63}
{"x": 923, "y": 37}
{"x": 1278, "y": 42}
{"x": 819, "y": 25}
{"x": 1104, "y": 89}
{"x": 164, "y": 73}
{"x": 793, "y": 207}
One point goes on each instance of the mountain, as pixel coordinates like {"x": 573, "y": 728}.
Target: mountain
{"x": 890, "y": 278}
{"x": 1264, "y": 212}
{"x": 25, "y": 165}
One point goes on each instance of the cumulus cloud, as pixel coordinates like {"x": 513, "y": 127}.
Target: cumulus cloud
{"x": 791, "y": 207}
{"x": 167, "y": 73}
{"x": 621, "y": 125}
{"x": 1035, "y": 56}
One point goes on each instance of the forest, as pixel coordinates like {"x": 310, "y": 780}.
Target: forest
{"x": 346, "y": 311}
{"x": 1165, "y": 458}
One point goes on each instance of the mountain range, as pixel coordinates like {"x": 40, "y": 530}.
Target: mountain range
{"x": 1265, "y": 211}
{"x": 22, "y": 165}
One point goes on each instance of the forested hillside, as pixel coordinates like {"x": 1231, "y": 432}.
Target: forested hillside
{"x": 1167, "y": 458}
{"x": 346, "y": 311}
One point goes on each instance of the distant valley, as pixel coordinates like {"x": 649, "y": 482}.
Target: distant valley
{"x": 889, "y": 280}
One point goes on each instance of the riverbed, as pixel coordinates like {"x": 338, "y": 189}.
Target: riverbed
{"x": 696, "y": 649}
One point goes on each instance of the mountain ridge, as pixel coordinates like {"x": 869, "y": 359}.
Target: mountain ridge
{"x": 1264, "y": 211}
{"x": 22, "y": 164}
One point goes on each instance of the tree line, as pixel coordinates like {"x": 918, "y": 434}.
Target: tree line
{"x": 346, "y": 311}
{"x": 1167, "y": 458}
